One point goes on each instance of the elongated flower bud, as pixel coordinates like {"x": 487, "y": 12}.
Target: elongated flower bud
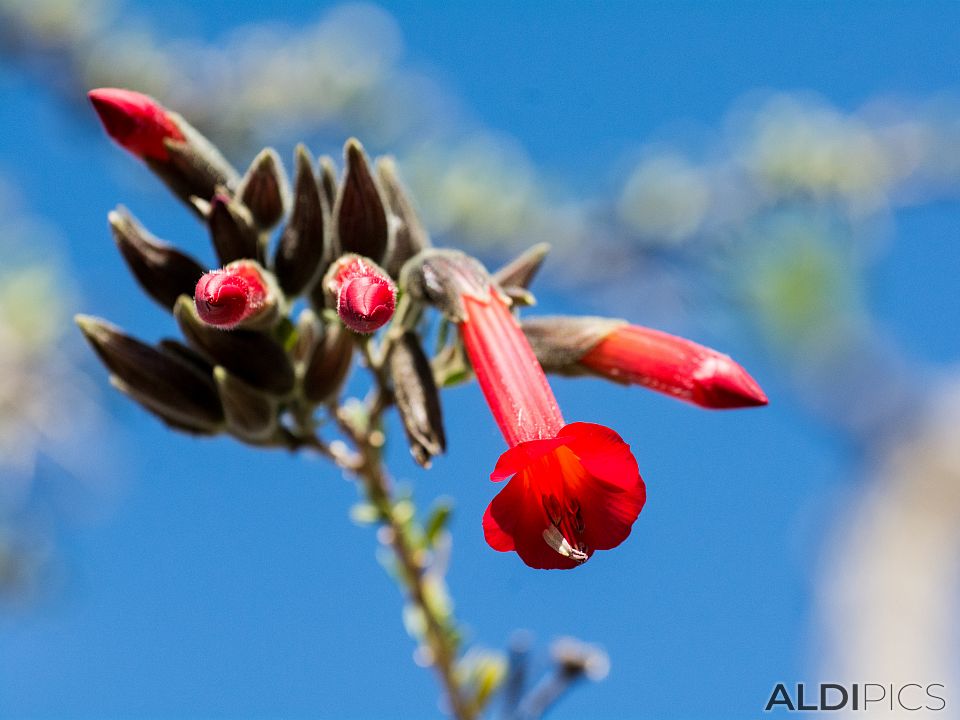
{"x": 309, "y": 330}
{"x": 251, "y": 415}
{"x": 300, "y": 252}
{"x": 365, "y": 295}
{"x": 174, "y": 150}
{"x": 162, "y": 270}
{"x": 187, "y": 354}
{"x": 418, "y": 400}
{"x": 137, "y": 122}
{"x": 360, "y": 220}
{"x": 231, "y": 230}
{"x": 196, "y": 168}
{"x": 178, "y": 392}
{"x": 239, "y": 294}
{"x": 409, "y": 236}
{"x": 328, "y": 364}
{"x": 263, "y": 189}
{"x": 254, "y": 357}
{"x": 631, "y": 354}
{"x": 328, "y": 179}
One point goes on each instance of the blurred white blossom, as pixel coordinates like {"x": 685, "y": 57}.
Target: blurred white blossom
{"x": 891, "y": 580}
{"x": 47, "y": 405}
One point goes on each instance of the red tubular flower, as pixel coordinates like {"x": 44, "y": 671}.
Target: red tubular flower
{"x": 234, "y": 295}
{"x": 674, "y": 366}
{"x": 573, "y": 488}
{"x": 136, "y": 121}
{"x": 365, "y": 295}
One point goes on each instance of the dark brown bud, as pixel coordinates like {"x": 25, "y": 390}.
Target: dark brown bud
{"x": 418, "y": 400}
{"x": 194, "y": 167}
{"x": 515, "y": 277}
{"x": 187, "y": 354}
{"x": 442, "y": 277}
{"x": 251, "y": 415}
{"x": 328, "y": 179}
{"x": 162, "y": 270}
{"x": 175, "y": 390}
{"x": 408, "y": 236}
{"x": 232, "y": 231}
{"x": 329, "y": 364}
{"x": 254, "y": 357}
{"x": 360, "y": 220}
{"x": 263, "y": 189}
{"x": 301, "y": 250}
{"x": 309, "y": 331}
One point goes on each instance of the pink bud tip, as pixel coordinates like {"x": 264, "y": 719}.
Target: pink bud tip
{"x": 675, "y": 366}
{"x": 723, "y": 384}
{"x": 366, "y": 303}
{"x": 225, "y": 298}
{"x": 135, "y": 121}
{"x": 366, "y": 296}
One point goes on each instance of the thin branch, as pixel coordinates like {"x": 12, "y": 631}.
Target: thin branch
{"x": 335, "y": 451}
{"x": 437, "y": 635}
{"x": 377, "y": 487}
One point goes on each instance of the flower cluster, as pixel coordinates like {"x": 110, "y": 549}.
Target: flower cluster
{"x": 271, "y": 333}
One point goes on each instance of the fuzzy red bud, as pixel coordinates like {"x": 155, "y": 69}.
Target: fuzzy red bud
{"x": 228, "y": 297}
{"x": 365, "y": 295}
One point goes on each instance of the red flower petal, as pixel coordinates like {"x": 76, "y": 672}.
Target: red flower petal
{"x": 515, "y": 520}
{"x": 603, "y": 453}
{"x": 582, "y": 488}
{"x": 520, "y": 456}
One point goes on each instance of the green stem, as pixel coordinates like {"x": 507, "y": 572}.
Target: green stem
{"x": 437, "y": 636}
{"x": 377, "y": 488}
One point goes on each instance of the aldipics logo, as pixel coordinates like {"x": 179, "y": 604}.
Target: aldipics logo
{"x": 858, "y": 696}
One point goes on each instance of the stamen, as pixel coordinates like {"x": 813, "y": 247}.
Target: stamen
{"x": 578, "y": 524}
{"x": 555, "y": 539}
{"x": 552, "y": 506}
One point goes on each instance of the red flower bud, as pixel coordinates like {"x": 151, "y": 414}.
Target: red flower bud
{"x": 238, "y": 293}
{"x": 366, "y": 296}
{"x": 136, "y": 121}
{"x": 675, "y": 366}
{"x": 636, "y": 355}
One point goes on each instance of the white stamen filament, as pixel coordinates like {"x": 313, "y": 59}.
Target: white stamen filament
{"x": 555, "y": 539}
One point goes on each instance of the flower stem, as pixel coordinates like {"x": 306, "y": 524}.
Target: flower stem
{"x": 375, "y": 482}
{"x": 437, "y": 635}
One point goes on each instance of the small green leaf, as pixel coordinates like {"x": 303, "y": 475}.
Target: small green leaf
{"x": 437, "y": 521}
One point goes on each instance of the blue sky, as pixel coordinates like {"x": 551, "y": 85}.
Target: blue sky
{"x": 224, "y": 582}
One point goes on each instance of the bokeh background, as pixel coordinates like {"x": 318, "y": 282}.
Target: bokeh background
{"x": 780, "y": 181}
